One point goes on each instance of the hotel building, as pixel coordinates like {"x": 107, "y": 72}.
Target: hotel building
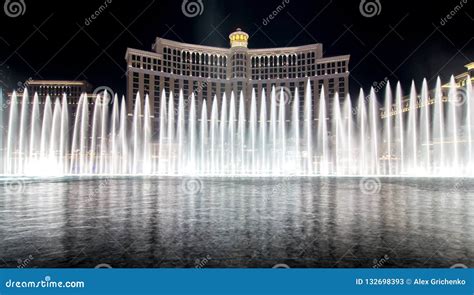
{"x": 212, "y": 71}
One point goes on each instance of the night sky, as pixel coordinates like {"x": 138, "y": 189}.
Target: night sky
{"x": 401, "y": 41}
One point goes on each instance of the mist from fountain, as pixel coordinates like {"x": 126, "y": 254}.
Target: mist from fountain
{"x": 427, "y": 135}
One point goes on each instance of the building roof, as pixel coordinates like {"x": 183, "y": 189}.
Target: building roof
{"x": 58, "y": 82}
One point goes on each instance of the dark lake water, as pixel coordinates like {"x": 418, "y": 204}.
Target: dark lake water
{"x": 236, "y": 222}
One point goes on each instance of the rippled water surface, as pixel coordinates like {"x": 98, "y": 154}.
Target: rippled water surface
{"x": 236, "y": 222}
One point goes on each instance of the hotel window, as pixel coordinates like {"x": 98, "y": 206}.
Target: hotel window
{"x": 341, "y": 87}
{"x": 146, "y": 83}
{"x": 331, "y": 87}
{"x": 157, "y": 88}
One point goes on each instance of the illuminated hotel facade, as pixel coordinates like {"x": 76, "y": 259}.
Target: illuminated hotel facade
{"x": 212, "y": 71}
{"x": 460, "y": 82}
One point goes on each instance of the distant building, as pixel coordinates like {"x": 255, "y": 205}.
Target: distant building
{"x": 461, "y": 82}
{"x": 55, "y": 89}
{"x": 209, "y": 71}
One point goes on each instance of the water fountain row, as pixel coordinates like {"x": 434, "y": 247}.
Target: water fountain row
{"x": 428, "y": 135}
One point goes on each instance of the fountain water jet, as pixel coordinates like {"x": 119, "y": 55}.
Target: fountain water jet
{"x": 390, "y": 138}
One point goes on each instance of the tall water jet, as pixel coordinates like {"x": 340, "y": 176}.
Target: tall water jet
{"x": 349, "y": 125}
{"x": 438, "y": 128}
{"x": 11, "y": 135}
{"x": 46, "y": 129}
{"x": 23, "y": 125}
{"x": 123, "y": 137}
{"x": 374, "y": 139}
{"x": 273, "y": 130}
{"x": 337, "y": 134}
{"x": 453, "y": 124}
{"x": 64, "y": 140}
{"x": 263, "y": 132}
{"x": 162, "y": 160}
{"x": 425, "y": 126}
{"x": 84, "y": 134}
{"x": 203, "y": 135}
{"x": 296, "y": 130}
{"x": 74, "y": 164}
{"x": 93, "y": 144}
{"x": 308, "y": 121}
{"x": 362, "y": 129}
{"x": 322, "y": 143}
{"x": 137, "y": 133}
{"x": 241, "y": 132}
{"x": 253, "y": 131}
{"x": 281, "y": 131}
{"x": 223, "y": 133}
{"x": 147, "y": 137}
{"x": 412, "y": 143}
{"x": 388, "y": 130}
{"x": 181, "y": 131}
{"x": 400, "y": 132}
{"x": 104, "y": 105}
{"x": 214, "y": 118}
{"x": 114, "y": 151}
{"x": 170, "y": 134}
{"x": 232, "y": 120}
{"x": 54, "y": 139}
{"x": 468, "y": 122}
{"x": 192, "y": 134}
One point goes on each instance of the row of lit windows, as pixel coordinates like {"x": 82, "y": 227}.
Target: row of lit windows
{"x": 267, "y": 67}
{"x": 332, "y": 86}
{"x": 185, "y": 56}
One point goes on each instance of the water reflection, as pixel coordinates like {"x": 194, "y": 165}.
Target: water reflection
{"x": 254, "y": 222}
